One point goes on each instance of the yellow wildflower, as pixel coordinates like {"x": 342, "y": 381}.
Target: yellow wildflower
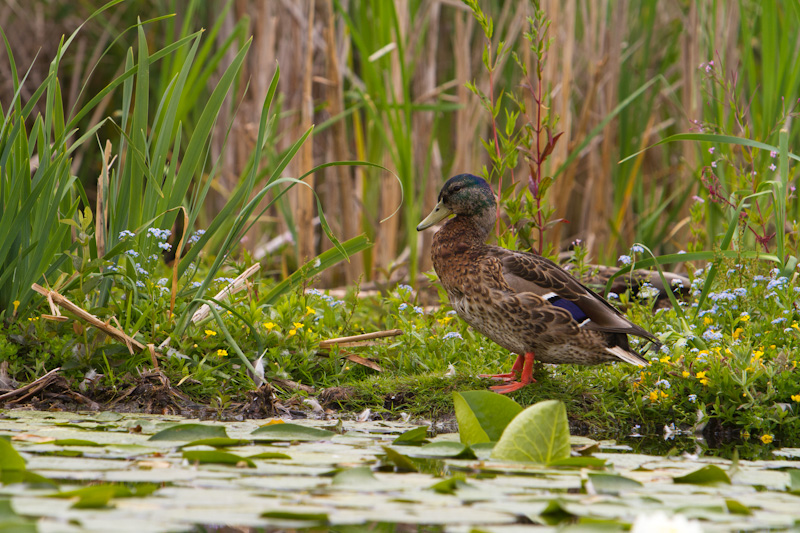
{"x": 292, "y": 332}
{"x": 665, "y": 359}
{"x": 270, "y": 325}
{"x": 654, "y": 396}
{"x": 758, "y": 354}
{"x": 664, "y": 394}
{"x": 445, "y": 320}
{"x": 222, "y": 353}
{"x": 736, "y": 333}
{"x": 744, "y": 317}
{"x": 767, "y": 438}
{"x": 705, "y": 381}
{"x": 310, "y": 311}
{"x": 686, "y": 373}
{"x": 749, "y": 369}
{"x": 16, "y": 306}
{"x": 794, "y": 325}
{"x": 298, "y": 325}
{"x": 708, "y": 320}
{"x": 210, "y": 333}
{"x": 701, "y": 375}
{"x": 796, "y": 397}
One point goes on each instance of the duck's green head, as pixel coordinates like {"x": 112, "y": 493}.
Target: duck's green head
{"x": 464, "y": 194}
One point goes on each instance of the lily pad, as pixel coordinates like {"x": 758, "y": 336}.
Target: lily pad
{"x": 218, "y": 457}
{"x": 75, "y": 442}
{"x": 413, "y": 437}
{"x": 708, "y": 475}
{"x": 483, "y": 415}
{"x": 445, "y": 449}
{"x": 603, "y": 483}
{"x": 360, "y": 478}
{"x": 290, "y": 432}
{"x": 539, "y": 434}
{"x": 400, "y": 461}
{"x": 190, "y": 432}
{"x": 269, "y": 455}
{"x": 10, "y": 459}
{"x": 217, "y": 442}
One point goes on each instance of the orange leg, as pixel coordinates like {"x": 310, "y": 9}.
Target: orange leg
{"x": 527, "y": 377}
{"x": 509, "y": 376}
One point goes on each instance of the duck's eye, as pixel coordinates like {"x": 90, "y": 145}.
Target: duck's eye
{"x": 456, "y": 188}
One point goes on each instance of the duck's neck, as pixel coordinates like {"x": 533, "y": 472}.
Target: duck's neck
{"x": 474, "y": 229}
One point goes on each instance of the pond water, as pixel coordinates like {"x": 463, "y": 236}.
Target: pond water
{"x": 297, "y": 477}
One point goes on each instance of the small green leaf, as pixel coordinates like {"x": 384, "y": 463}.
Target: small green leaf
{"x": 580, "y": 462}
{"x": 95, "y": 496}
{"x": 290, "y": 432}
{"x": 190, "y": 432}
{"x": 360, "y": 477}
{"x": 9, "y": 477}
{"x": 400, "y": 461}
{"x": 612, "y": 483}
{"x": 445, "y": 449}
{"x": 735, "y": 507}
{"x": 482, "y": 415}
{"x": 10, "y": 459}
{"x": 318, "y": 518}
{"x": 75, "y": 442}
{"x": 450, "y": 485}
{"x": 269, "y": 455}
{"x": 794, "y": 481}
{"x": 217, "y": 442}
{"x": 539, "y": 434}
{"x": 413, "y": 437}
{"x": 708, "y": 475}
{"x": 217, "y": 457}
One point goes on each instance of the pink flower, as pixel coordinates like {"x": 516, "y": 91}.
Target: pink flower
{"x": 772, "y": 166}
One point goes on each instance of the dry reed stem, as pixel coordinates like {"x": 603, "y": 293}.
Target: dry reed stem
{"x": 54, "y": 297}
{"x": 354, "y": 340}
{"x": 239, "y": 283}
{"x": 305, "y": 195}
{"x": 346, "y": 206}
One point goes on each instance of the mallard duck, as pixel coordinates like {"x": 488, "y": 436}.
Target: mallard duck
{"x": 522, "y": 301}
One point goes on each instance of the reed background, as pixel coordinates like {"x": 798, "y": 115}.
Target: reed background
{"x": 384, "y": 81}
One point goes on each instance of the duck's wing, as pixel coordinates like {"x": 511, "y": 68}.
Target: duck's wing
{"x": 526, "y": 272}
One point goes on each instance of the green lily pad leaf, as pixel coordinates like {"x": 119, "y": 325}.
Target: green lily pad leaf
{"x": 269, "y": 455}
{"x": 735, "y": 507}
{"x": 539, "y": 434}
{"x": 483, "y": 415}
{"x": 11, "y": 522}
{"x": 708, "y": 475}
{"x": 10, "y": 459}
{"x": 400, "y": 461}
{"x": 316, "y": 518}
{"x": 580, "y": 462}
{"x": 96, "y": 496}
{"x": 445, "y": 449}
{"x": 555, "y": 513}
{"x": 794, "y": 481}
{"x": 190, "y": 432}
{"x": 9, "y": 477}
{"x": 482, "y": 450}
{"x": 290, "y": 432}
{"x": 413, "y": 437}
{"x": 612, "y": 483}
{"x": 217, "y": 442}
{"x": 360, "y": 477}
{"x": 217, "y": 457}
{"x": 75, "y": 442}
{"x": 450, "y": 485}
{"x": 108, "y": 416}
